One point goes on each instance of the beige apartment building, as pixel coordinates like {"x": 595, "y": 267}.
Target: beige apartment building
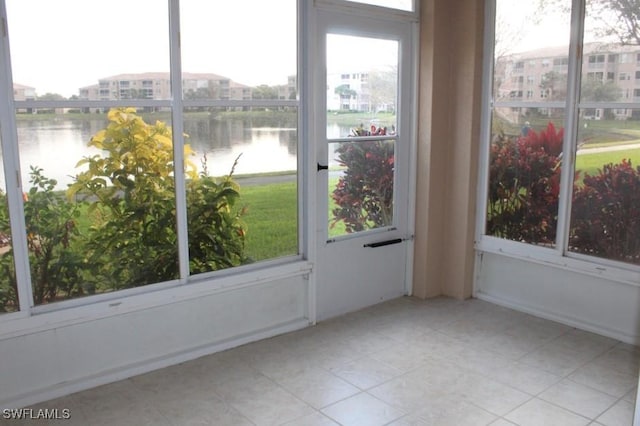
{"x": 157, "y": 86}
{"x": 540, "y": 76}
{"x": 23, "y": 93}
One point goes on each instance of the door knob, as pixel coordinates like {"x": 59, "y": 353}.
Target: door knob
{"x": 321, "y": 167}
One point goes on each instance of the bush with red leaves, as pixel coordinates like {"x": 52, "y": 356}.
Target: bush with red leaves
{"x": 605, "y": 216}
{"x": 364, "y": 193}
{"x": 524, "y": 184}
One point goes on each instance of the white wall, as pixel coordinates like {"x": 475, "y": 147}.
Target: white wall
{"x": 581, "y": 300}
{"x": 60, "y": 358}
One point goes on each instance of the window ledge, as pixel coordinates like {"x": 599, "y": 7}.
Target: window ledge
{"x": 18, "y": 324}
{"x": 608, "y": 270}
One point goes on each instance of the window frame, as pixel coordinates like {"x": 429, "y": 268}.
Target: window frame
{"x": 559, "y": 255}
{"x": 186, "y": 286}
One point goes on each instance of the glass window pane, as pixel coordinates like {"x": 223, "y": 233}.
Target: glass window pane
{"x": 362, "y": 90}
{"x": 361, "y": 184}
{"x": 89, "y": 54}
{"x": 101, "y": 216}
{"x": 225, "y": 43}
{"x": 531, "y": 54}
{"x": 252, "y": 214}
{"x": 605, "y": 214}
{"x": 524, "y": 174}
{"x": 9, "y": 301}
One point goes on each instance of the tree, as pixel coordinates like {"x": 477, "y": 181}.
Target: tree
{"x": 597, "y": 91}
{"x": 382, "y": 88}
{"x": 264, "y": 92}
{"x": 619, "y": 19}
{"x": 51, "y": 97}
{"x": 555, "y": 84}
{"x": 345, "y": 92}
{"x": 199, "y": 93}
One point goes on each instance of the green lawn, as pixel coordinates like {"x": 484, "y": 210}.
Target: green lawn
{"x": 591, "y": 162}
{"x": 272, "y": 219}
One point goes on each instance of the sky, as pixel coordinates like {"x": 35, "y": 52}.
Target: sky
{"x": 60, "y": 46}
{"x": 522, "y": 28}
{"x": 525, "y": 26}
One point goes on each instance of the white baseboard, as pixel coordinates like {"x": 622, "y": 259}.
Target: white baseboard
{"x": 147, "y": 366}
{"x": 562, "y": 319}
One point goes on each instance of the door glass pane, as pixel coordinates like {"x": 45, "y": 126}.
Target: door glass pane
{"x": 362, "y": 91}
{"x": 605, "y": 214}
{"x": 531, "y": 54}
{"x": 8, "y": 289}
{"x": 524, "y": 174}
{"x": 362, "y": 84}
{"x": 361, "y": 181}
{"x": 100, "y": 51}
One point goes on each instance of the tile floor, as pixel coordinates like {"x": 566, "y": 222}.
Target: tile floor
{"x": 404, "y": 362}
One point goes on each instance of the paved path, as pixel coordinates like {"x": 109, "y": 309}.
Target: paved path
{"x": 622, "y": 147}
{"x": 266, "y": 180}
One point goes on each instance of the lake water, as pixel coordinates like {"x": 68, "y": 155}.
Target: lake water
{"x": 265, "y": 145}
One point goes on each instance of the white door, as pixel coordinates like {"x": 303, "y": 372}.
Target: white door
{"x": 364, "y": 139}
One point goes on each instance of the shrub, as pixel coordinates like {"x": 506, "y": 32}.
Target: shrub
{"x": 216, "y": 231}
{"x": 52, "y": 241}
{"x": 524, "y": 182}
{"x": 605, "y": 216}
{"x": 131, "y": 194}
{"x": 364, "y": 193}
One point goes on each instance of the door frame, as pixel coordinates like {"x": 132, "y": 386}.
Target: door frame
{"x": 351, "y": 20}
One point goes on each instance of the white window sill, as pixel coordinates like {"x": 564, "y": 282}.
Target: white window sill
{"x": 593, "y": 266}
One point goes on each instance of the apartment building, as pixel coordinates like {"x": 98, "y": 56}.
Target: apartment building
{"x": 157, "y": 86}
{"x": 541, "y": 75}
{"x": 348, "y": 91}
{"x": 23, "y": 93}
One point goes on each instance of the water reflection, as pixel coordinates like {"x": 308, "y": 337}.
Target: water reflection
{"x": 266, "y": 144}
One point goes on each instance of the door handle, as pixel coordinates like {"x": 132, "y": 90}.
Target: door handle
{"x": 384, "y": 243}
{"x": 321, "y": 167}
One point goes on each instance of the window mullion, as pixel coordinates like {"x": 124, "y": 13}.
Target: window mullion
{"x": 12, "y": 173}
{"x": 570, "y": 125}
{"x": 487, "y": 110}
{"x": 177, "y": 123}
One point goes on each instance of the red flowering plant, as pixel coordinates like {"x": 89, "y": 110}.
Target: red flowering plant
{"x": 605, "y": 216}
{"x": 524, "y": 184}
{"x": 364, "y": 193}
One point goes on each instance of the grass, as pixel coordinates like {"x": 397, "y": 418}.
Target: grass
{"x": 591, "y": 162}
{"x": 354, "y": 119}
{"x": 272, "y": 219}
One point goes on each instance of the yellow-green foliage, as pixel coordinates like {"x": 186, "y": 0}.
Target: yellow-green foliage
{"x": 131, "y": 192}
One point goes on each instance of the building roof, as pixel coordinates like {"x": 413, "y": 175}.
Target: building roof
{"x": 21, "y": 86}
{"x": 563, "y": 51}
{"x": 164, "y": 76}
